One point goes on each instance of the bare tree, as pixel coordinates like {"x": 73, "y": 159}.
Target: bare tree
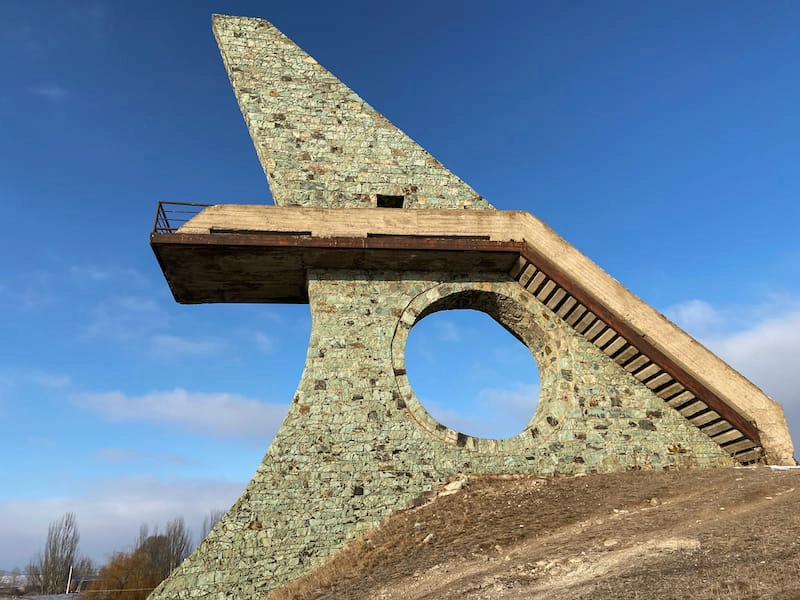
{"x": 154, "y": 556}
{"x": 164, "y": 551}
{"x": 84, "y": 567}
{"x": 48, "y": 572}
{"x": 209, "y": 521}
{"x": 33, "y": 579}
{"x": 179, "y": 542}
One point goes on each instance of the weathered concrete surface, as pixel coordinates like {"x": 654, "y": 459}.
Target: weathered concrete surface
{"x": 357, "y": 444}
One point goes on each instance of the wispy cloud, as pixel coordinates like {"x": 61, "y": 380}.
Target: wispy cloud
{"x": 447, "y": 330}
{"x": 33, "y": 290}
{"x": 456, "y": 419}
{"x": 90, "y": 273}
{"x": 516, "y": 403}
{"x": 167, "y": 347}
{"x": 24, "y": 376}
{"x": 97, "y": 273}
{"x": 110, "y": 512}
{"x": 117, "y": 455}
{"x": 218, "y": 414}
{"x": 144, "y": 324}
{"x": 50, "y": 91}
{"x": 125, "y": 318}
{"x": 132, "y": 455}
{"x": 761, "y": 341}
{"x": 271, "y": 316}
{"x": 53, "y": 381}
{"x": 172, "y": 458}
{"x": 696, "y": 316}
{"x": 702, "y": 319}
{"x": 493, "y": 413}
{"x": 264, "y": 342}
{"x": 32, "y": 299}
{"x": 768, "y": 353}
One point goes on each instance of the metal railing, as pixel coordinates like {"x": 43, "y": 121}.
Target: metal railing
{"x": 171, "y": 215}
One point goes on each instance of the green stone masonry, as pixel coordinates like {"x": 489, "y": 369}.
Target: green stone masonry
{"x": 357, "y": 445}
{"x": 319, "y": 143}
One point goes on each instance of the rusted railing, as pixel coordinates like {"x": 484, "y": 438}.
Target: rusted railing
{"x": 171, "y": 215}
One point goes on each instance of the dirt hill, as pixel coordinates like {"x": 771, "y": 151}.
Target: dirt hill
{"x": 720, "y": 534}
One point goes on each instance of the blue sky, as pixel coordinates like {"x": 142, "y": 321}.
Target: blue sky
{"x": 659, "y": 138}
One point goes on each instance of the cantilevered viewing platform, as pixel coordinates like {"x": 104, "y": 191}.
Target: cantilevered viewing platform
{"x": 258, "y": 253}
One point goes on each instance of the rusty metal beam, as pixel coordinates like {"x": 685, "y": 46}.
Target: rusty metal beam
{"x": 279, "y": 239}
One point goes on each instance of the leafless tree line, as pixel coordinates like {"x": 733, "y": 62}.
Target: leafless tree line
{"x": 49, "y": 571}
{"x": 152, "y": 558}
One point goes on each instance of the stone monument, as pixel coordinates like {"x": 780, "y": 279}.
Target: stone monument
{"x": 375, "y": 234}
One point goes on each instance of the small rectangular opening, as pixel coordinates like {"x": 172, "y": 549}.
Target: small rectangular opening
{"x": 422, "y": 236}
{"x": 263, "y": 232}
{"x": 385, "y": 201}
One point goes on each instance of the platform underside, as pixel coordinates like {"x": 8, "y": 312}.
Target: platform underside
{"x": 253, "y": 268}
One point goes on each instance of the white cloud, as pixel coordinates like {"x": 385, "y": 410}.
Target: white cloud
{"x": 514, "y": 404}
{"x": 172, "y": 346}
{"x": 768, "y": 353}
{"x": 219, "y": 414}
{"x": 53, "y": 381}
{"x": 454, "y": 419}
{"x": 14, "y": 377}
{"x": 495, "y": 412}
{"x": 696, "y": 315}
{"x": 95, "y": 273}
{"x": 271, "y": 316}
{"x": 131, "y": 455}
{"x": 90, "y": 272}
{"x": 447, "y": 330}
{"x": 264, "y": 342}
{"x": 762, "y": 342}
{"x": 35, "y": 290}
{"x": 50, "y": 91}
{"x": 109, "y": 514}
{"x": 125, "y": 318}
{"x": 173, "y": 458}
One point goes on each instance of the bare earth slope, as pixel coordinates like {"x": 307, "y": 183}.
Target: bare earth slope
{"x": 721, "y": 534}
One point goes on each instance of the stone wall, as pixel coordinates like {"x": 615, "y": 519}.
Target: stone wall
{"x": 357, "y": 445}
{"x": 319, "y": 143}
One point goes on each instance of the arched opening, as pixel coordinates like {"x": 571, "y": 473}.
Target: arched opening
{"x": 471, "y": 374}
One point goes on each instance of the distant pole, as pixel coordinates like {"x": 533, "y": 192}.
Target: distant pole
{"x": 69, "y": 579}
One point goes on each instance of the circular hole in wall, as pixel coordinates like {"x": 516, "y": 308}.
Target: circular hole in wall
{"x": 472, "y": 375}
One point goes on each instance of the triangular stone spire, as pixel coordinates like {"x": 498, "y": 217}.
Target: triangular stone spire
{"x": 319, "y": 143}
